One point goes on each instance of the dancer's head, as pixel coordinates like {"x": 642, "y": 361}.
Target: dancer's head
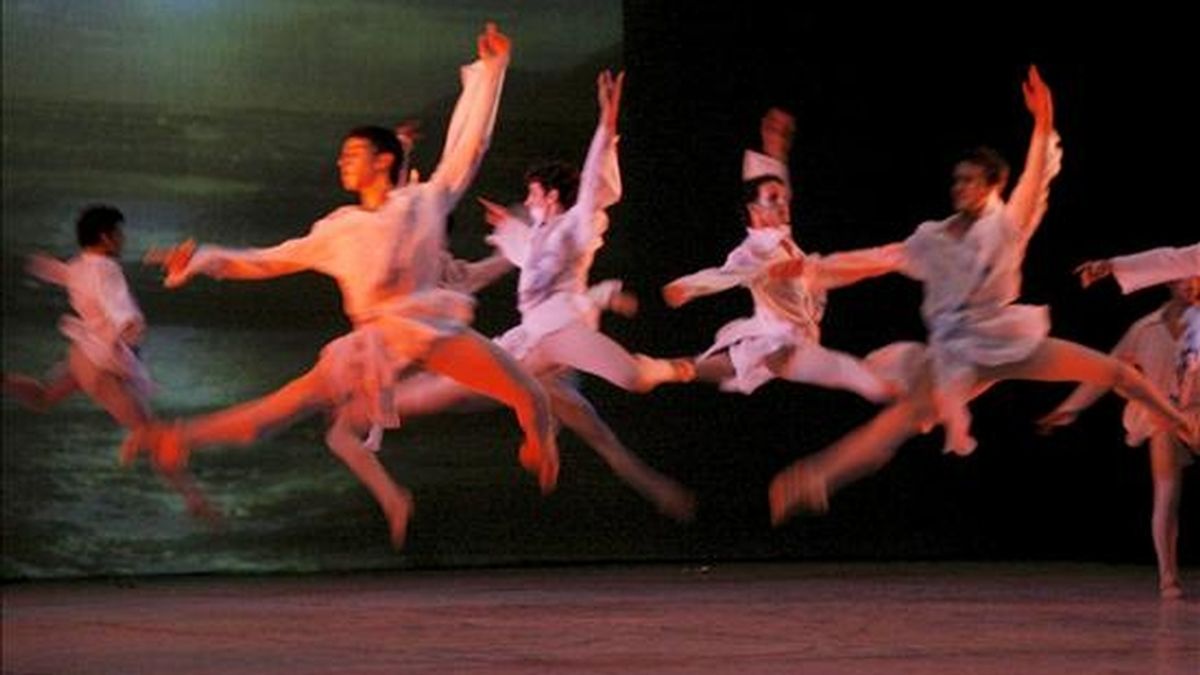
{"x": 370, "y": 156}
{"x": 99, "y": 229}
{"x": 551, "y": 189}
{"x": 768, "y": 202}
{"x": 978, "y": 174}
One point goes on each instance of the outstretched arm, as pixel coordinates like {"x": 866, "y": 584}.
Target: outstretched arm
{"x": 740, "y": 268}
{"x": 470, "y": 277}
{"x": 47, "y": 268}
{"x": 183, "y": 261}
{"x": 843, "y": 269}
{"x": 1140, "y": 270}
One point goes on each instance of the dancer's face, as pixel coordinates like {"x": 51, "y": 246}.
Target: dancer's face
{"x": 1186, "y": 291}
{"x": 113, "y": 243}
{"x": 773, "y": 206}
{"x": 361, "y": 165}
{"x": 970, "y": 190}
{"x": 540, "y": 202}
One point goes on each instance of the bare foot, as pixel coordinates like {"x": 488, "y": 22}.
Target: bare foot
{"x": 541, "y": 460}
{"x": 135, "y": 441}
{"x": 795, "y": 489}
{"x": 203, "y": 510}
{"x": 675, "y": 501}
{"x": 398, "y": 515}
{"x": 654, "y": 371}
{"x": 1170, "y": 590}
{"x": 168, "y": 452}
{"x": 26, "y": 390}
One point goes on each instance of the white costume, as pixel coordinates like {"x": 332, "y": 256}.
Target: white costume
{"x": 971, "y": 284}
{"x": 1161, "y": 265}
{"x": 555, "y": 256}
{"x": 787, "y": 314}
{"x": 1156, "y": 266}
{"x": 427, "y": 393}
{"x": 756, "y": 164}
{"x": 1149, "y": 345}
{"x": 388, "y": 262}
{"x": 107, "y": 324}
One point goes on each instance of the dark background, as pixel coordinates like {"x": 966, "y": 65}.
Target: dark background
{"x": 884, "y": 103}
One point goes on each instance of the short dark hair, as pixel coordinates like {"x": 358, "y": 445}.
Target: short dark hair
{"x": 750, "y": 187}
{"x": 556, "y": 176}
{"x": 995, "y": 169}
{"x": 385, "y": 142}
{"x": 96, "y": 221}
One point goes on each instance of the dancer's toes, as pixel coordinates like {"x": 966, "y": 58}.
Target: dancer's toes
{"x": 1170, "y": 590}
{"x": 676, "y": 502}
{"x": 796, "y": 489}
{"x": 398, "y": 515}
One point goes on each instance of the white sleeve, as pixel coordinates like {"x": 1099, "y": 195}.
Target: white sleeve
{"x": 511, "y": 237}
{"x": 599, "y": 188}
{"x": 470, "y": 130}
{"x": 47, "y": 269}
{"x": 1031, "y": 196}
{"x": 289, "y": 257}
{"x": 1156, "y": 266}
{"x": 740, "y": 268}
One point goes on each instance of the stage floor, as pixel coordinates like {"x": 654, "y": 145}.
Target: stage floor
{"x": 743, "y": 618}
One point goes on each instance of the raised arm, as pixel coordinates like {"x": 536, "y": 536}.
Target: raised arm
{"x": 600, "y": 179}
{"x": 1030, "y": 197}
{"x": 474, "y": 116}
{"x": 777, "y": 129}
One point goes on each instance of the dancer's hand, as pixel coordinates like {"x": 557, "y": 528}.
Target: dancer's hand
{"x": 1092, "y": 271}
{"x": 1038, "y": 100}
{"x": 493, "y": 213}
{"x": 1057, "y": 418}
{"x": 493, "y": 45}
{"x": 174, "y": 261}
{"x": 777, "y": 129}
{"x": 675, "y": 295}
{"x": 608, "y": 93}
{"x": 408, "y": 133}
{"x": 624, "y": 303}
